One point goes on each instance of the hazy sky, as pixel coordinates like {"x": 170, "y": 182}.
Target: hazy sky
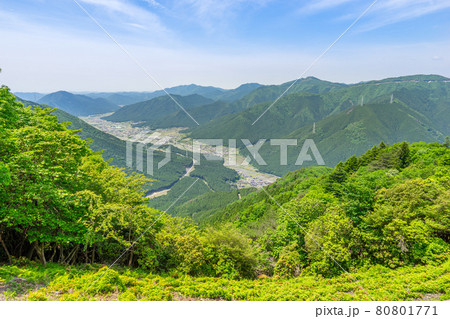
{"x": 49, "y": 45}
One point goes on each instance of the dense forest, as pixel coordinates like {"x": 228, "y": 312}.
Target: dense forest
{"x": 343, "y": 120}
{"x": 385, "y": 212}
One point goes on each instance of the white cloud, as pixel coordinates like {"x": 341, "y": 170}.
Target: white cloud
{"x": 212, "y": 12}
{"x": 137, "y": 25}
{"x": 64, "y": 57}
{"x": 154, "y": 3}
{"x": 133, "y": 13}
{"x": 392, "y": 11}
{"x": 384, "y": 12}
{"x": 58, "y": 62}
{"x": 320, "y": 5}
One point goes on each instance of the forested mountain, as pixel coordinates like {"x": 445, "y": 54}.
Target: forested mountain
{"x": 434, "y": 101}
{"x": 352, "y": 132}
{"x": 375, "y": 206}
{"x": 29, "y": 96}
{"x": 213, "y": 93}
{"x": 248, "y": 94}
{"x": 309, "y": 84}
{"x": 203, "y": 207}
{"x": 378, "y": 216}
{"x": 348, "y": 120}
{"x": 114, "y": 149}
{"x": 237, "y": 93}
{"x": 153, "y": 111}
{"x": 57, "y": 195}
{"x": 78, "y": 105}
{"x": 124, "y": 98}
{"x": 213, "y": 175}
{"x": 291, "y": 112}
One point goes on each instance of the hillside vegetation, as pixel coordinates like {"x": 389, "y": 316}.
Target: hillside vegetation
{"x": 210, "y": 92}
{"x": 389, "y": 206}
{"x": 77, "y": 104}
{"x": 113, "y": 150}
{"x": 62, "y": 202}
{"x": 56, "y": 282}
{"x": 342, "y": 121}
{"x": 153, "y": 111}
{"x": 349, "y": 233}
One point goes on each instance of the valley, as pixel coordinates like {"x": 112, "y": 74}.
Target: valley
{"x": 379, "y": 208}
{"x": 210, "y": 150}
{"x": 129, "y": 131}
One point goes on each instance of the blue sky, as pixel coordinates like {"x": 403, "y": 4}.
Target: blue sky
{"x": 50, "y": 45}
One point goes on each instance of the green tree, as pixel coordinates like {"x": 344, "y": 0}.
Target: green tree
{"x": 290, "y": 263}
{"x": 405, "y": 220}
{"x": 336, "y": 178}
{"x": 332, "y": 243}
{"x": 382, "y": 146}
{"x": 5, "y": 176}
{"x": 351, "y": 165}
{"x": 447, "y": 142}
{"x": 229, "y": 253}
{"x": 403, "y": 156}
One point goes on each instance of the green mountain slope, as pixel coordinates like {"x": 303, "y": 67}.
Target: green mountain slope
{"x": 229, "y": 102}
{"x": 114, "y": 149}
{"x": 352, "y": 132}
{"x": 78, "y": 105}
{"x": 214, "y": 176}
{"x": 384, "y": 214}
{"x": 209, "y": 177}
{"x": 238, "y": 93}
{"x": 420, "y": 112}
{"x": 209, "y": 92}
{"x": 257, "y": 208}
{"x": 270, "y": 92}
{"x": 29, "y": 96}
{"x": 202, "y": 114}
{"x": 126, "y": 98}
{"x": 375, "y": 206}
{"x": 434, "y": 103}
{"x": 290, "y": 113}
{"x": 153, "y": 111}
{"x": 225, "y": 116}
{"x": 372, "y": 91}
{"x": 199, "y": 209}
{"x": 426, "y": 94}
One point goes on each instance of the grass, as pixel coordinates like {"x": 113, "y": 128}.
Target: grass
{"x": 31, "y": 281}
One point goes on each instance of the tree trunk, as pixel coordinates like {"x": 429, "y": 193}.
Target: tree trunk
{"x": 93, "y": 254}
{"x": 6, "y": 249}
{"x": 40, "y": 252}
{"x": 53, "y": 254}
{"x": 130, "y": 261}
{"x": 72, "y": 254}
{"x": 86, "y": 258}
{"x": 61, "y": 254}
{"x": 21, "y": 246}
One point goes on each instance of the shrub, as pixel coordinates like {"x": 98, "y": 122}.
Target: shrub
{"x": 290, "y": 263}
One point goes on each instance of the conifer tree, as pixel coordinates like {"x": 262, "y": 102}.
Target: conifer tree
{"x": 403, "y": 156}
{"x": 351, "y": 165}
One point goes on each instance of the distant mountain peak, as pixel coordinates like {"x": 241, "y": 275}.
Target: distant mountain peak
{"x": 77, "y": 104}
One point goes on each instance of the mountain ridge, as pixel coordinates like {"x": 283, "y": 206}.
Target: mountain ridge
{"x": 77, "y": 104}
